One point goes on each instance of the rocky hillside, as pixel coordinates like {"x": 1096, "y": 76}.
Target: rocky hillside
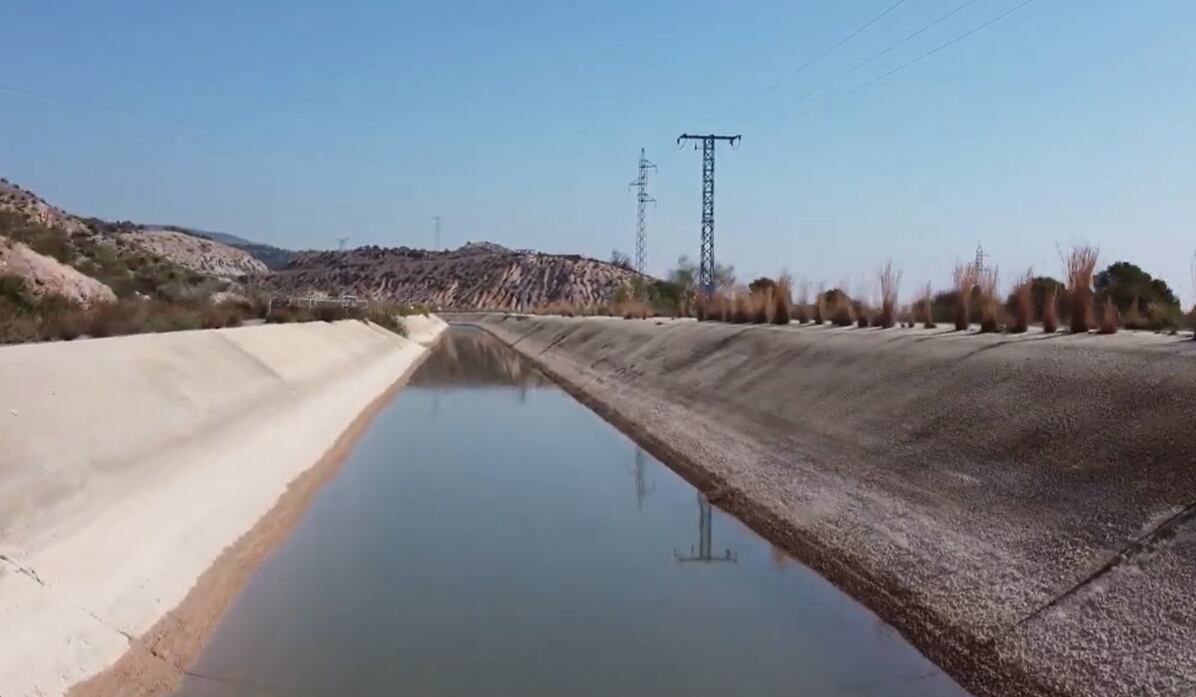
{"x": 200, "y": 255}
{"x": 35, "y": 210}
{"x": 47, "y": 276}
{"x": 204, "y": 256}
{"x": 477, "y": 275}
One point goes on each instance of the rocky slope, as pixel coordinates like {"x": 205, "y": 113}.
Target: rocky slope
{"x": 48, "y": 276}
{"x": 203, "y": 256}
{"x": 477, "y": 275}
{"x": 36, "y": 210}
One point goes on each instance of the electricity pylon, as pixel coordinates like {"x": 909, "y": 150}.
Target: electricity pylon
{"x": 642, "y": 199}
{"x": 706, "y": 262}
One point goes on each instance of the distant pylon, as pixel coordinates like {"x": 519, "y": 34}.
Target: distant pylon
{"x": 642, "y": 199}
{"x": 436, "y": 231}
{"x": 341, "y": 242}
{"x": 980, "y": 257}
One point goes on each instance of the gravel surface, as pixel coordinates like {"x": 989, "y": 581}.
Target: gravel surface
{"x": 1023, "y": 509}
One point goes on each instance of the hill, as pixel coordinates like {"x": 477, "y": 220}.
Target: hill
{"x": 476, "y": 275}
{"x": 273, "y": 257}
{"x": 44, "y": 224}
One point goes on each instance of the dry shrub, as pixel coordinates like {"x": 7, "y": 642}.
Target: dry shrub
{"x": 782, "y": 303}
{"x": 1109, "y": 319}
{"x": 1050, "y": 313}
{"x": 889, "y": 280}
{"x": 556, "y": 307}
{"x": 964, "y": 278}
{"x": 990, "y": 308}
{"x": 927, "y": 308}
{"x": 763, "y": 308}
{"x": 842, "y": 314}
{"x": 1079, "y": 265}
{"x": 721, "y": 308}
{"x": 633, "y": 309}
{"x": 1133, "y": 318}
{"x": 222, "y": 315}
{"x": 863, "y": 316}
{"x": 1023, "y": 304}
{"x": 801, "y": 309}
{"x": 740, "y": 310}
{"x": 819, "y": 313}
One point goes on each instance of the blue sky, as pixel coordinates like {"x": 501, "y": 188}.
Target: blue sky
{"x": 295, "y": 122}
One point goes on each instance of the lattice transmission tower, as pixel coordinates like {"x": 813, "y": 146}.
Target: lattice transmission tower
{"x": 642, "y": 200}
{"x": 706, "y": 262}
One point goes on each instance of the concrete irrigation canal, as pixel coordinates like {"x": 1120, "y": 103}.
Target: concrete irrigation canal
{"x": 535, "y": 505}
{"x": 490, "y": 535}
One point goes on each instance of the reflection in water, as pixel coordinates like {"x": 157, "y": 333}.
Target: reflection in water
{"x": 637, "y": 470}
{"x": 703, "y": 553}
{"x": 472, "y": 358}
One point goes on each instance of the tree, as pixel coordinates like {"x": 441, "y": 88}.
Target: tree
{"x": 685, "y": 275}
{"x": 1124, "y": 283}
{"x": 621, "y": 260}
{"x": 761, "y": 284}
{"x": 724, "y": 277}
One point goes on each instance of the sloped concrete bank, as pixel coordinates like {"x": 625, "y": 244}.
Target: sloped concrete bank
{"x": 131, "y": 467}
{"x": 1023, "y": 509}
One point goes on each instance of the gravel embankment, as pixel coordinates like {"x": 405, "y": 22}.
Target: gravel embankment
{"x": 1023, "y": 509}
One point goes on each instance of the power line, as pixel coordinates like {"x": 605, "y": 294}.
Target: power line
{"x": 925, "y": 28}
{"x": 62, "y": 100}
{"x": 919, "y": 58}
{"x": 942, "y": 18}
{"x": 835, "y": 46}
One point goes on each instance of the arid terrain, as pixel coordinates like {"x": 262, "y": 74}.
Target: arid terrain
{"x": 476, "y": 275}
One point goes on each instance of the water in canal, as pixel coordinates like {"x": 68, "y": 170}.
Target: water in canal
{"x": 489, "y": 535}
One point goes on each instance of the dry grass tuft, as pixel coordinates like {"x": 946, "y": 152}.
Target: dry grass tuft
{"x": 990, "y": 308}
{"x": 927, "y": 308}
{"x": 963, "y": 276}
{"x": 1109, "y": 319}
{"x": 1079, "y": 266}
{"x": 842, "y": 313}
{"x": 889, "y": 280}
{"x": 634, "y": 309}
{"x": 782, "y": 304}
{"x": 801, "y": 308}
{"x": 556, "y": 307}
{"x": 1050, "y": 312}
{"x": 1133, "y": 318}
{"x": 1023, "y": 304}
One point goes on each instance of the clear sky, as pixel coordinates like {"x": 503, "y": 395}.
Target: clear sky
{"x": 295, "y": 122}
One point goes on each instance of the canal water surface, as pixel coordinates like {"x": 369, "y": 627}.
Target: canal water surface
{"x": 489, "y": 535}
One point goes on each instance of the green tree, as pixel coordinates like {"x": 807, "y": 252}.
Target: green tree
{"x": 1125, "y": 283}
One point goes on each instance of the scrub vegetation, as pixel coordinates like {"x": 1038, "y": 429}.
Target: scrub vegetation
{"x": 1122, "y": 296}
